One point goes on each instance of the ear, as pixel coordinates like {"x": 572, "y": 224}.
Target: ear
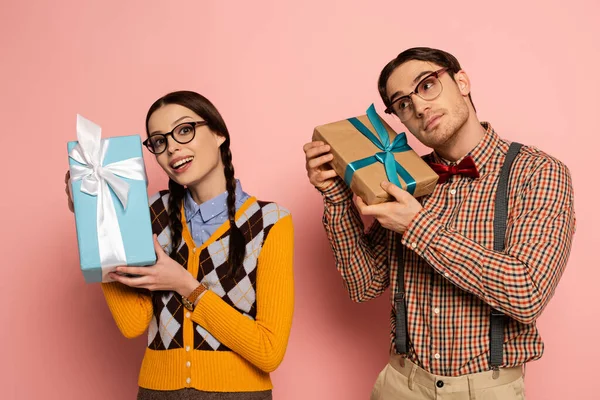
{"x": 462, "y": 81}
{"x": 219, "y": 139}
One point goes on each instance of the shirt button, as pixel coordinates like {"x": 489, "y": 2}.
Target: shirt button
{"x": 436, "y": 310}
{"x": 436, "y": 356}
{"x": 188, "y": 380}
{"x": 187, "y": 348}
{"x": 187, "y": 314}
{"x": 413, "y": 245}
{"x": 452, "y": 192}
{"x": 446, "y": 274}
{"x": 188, "y": 364}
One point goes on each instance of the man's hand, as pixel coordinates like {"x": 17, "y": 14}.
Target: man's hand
{"x": 394, "y": 215}
{"x": 317, "y": 156}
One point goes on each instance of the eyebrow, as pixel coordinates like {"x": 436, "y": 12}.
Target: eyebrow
{"x": 414, "y": 82}
{"x": 174, "y": 123}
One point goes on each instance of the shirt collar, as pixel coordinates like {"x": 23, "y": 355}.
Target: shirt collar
{"x": 480, "y": 153}
{"x": 210, "y": 208}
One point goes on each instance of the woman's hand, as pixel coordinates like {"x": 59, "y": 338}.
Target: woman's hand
{"x": 68, "y": 190}
{"x": 166, "y": 274}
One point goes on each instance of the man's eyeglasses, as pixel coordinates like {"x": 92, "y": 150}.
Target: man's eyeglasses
{"x": 428, "y": 89}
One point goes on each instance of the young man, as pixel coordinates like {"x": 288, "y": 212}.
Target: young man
{"x": 454, "y": 274}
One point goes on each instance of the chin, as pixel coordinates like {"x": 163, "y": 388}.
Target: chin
{"x": 440, "y": 135}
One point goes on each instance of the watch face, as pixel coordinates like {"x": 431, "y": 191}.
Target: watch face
{"x": 187, "y": 304}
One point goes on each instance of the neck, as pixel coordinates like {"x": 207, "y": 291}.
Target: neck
{"x": 463, "y": 141}
{"x": 212, "y": 185}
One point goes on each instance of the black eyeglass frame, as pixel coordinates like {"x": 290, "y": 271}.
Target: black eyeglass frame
{"x": 194, "y": 125}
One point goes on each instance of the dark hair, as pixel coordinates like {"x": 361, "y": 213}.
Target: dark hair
{"x": 205, "y": 109}
{"x": 438, "y": 57}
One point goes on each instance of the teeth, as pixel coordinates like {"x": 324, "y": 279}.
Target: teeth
{"x": 182, "y": 161}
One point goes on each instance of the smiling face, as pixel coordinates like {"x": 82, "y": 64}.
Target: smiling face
{"x": 190, "y": 163}
{"x": 433, "y": 122}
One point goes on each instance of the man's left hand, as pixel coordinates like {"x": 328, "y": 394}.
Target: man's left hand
{"x": 393, "y": 215}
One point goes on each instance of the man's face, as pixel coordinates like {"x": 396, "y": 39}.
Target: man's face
{"x": 433, "y": 122}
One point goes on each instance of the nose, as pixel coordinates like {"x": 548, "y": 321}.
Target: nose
{"x": 419, "y": 105}
{"x": 172, "y": 144}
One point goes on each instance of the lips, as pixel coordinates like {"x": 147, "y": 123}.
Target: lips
{"x": 180, "y": 162}
{"x": 431, "y": 121}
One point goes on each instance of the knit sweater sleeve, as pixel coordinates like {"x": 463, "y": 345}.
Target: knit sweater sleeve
{"x": 263, "y": 341}
{"x": 130, "y": 308}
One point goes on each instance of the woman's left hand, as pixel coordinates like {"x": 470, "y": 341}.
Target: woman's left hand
{"x": 166, "y": 274}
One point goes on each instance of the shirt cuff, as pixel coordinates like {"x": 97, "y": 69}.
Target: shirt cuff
{"x": 338, "y": 192}
{"x": 421, "y": 232}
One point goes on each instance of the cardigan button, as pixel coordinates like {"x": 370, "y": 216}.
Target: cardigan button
{"x": 188, "y": 380}
{"x": 188, "y": 364}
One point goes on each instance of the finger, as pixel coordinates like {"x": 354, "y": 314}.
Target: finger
{"x": 140, "y": 282}
{"x": 393, "y": 190}
{"x": 363, "y": 208}
{"x": 158, "y": 248}
{"x": 325, "y": 175}
{"x": 67, "y": 176}
{"x": 70, "y": 205}
{"x": 69, "y": 192}
{"x": 319, "y": 161}
{"x": 375, "y": 210}
{"x": 310, "y": 145}
{"x": 317, "y": 151}
{"x": 142, "y": 271}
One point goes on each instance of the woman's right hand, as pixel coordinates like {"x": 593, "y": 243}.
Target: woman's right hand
{"x": 317, "y": 157}
{"x": 68, "y": 190}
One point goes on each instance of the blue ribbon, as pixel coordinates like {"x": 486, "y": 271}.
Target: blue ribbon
{"x": 385, "y": 156}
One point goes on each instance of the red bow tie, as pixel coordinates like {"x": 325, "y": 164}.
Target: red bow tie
{"x": 466, "y": 168}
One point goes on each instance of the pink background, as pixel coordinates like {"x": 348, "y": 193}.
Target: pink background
{"x": 275, "y": 69}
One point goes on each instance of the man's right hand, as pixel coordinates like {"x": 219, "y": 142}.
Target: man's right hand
{"x": 318, "y": 156}
{"x": 68, "y": 190}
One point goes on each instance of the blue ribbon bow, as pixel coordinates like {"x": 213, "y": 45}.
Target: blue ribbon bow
{"x": 385, "y": 156}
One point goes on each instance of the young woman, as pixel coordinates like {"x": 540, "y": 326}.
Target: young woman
{"x": 218, "y": 302}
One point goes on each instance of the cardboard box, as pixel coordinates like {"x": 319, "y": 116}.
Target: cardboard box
{"x": 351, "y": 147}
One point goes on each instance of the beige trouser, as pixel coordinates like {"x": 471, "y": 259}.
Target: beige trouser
{"x": 410, "y": 382}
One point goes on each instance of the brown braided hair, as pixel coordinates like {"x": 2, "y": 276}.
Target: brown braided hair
{"x": 205, "y": 109}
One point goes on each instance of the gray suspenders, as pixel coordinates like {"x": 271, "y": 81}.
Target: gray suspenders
{"x": 497, "y": 319}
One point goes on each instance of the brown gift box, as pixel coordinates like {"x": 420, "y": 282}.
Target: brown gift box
{"x": 349, "y": 145}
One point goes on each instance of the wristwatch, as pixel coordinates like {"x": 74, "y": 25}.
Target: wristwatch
{"x": 188, "y": 302}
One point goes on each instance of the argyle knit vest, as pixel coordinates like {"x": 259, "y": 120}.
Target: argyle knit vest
{"x": 165, "y": 331}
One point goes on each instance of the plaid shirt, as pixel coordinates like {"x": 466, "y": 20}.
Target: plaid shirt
{"x": 452, "y": 274}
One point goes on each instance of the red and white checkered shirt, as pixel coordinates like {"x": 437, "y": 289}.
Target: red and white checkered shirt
{"x": 452, "y": 274}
